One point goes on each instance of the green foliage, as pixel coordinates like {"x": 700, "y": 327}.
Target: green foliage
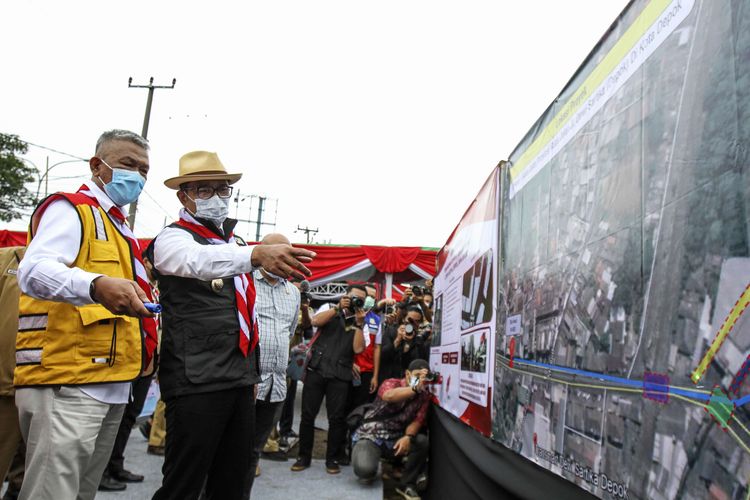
{"x": 14, "y": 175}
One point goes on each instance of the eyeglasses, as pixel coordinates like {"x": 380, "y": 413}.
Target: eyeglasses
{"x": 206, "y": 192}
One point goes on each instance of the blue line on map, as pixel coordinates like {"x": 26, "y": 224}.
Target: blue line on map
{"x": 623, "y": 381}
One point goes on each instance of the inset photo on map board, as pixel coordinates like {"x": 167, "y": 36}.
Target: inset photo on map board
{"x": 474, "y": 378}
{"x": 437, "y": 320}
{"x": 476, "y": 302}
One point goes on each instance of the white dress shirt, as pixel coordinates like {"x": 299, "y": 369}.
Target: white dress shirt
{"x": 46, "y": 271}
{"x": 277, "y": 308}
{"x": 176, "y": 253}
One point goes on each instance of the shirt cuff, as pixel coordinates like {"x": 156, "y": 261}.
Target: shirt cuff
{"x": 82, "y": 284}
{"x": 248, "y": 250}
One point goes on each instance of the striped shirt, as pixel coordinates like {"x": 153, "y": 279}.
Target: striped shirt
{"x": 276, "y": 307}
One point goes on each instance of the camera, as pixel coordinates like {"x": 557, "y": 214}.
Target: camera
{"x": 418, "y": 291}
{"x": 424, "y": 332}
{"x": 389, "y": 309}
{"x": 304, "y": 291}
{"x": 432, "y": 377}
{"x": 357, "y": 302}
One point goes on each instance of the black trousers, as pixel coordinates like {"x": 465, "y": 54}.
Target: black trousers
{"x": 209, "y": 440}
{"x": 132, "y": 410}
{"x": 360, "y": 394}
{"x": 266, "y": 416}
{"x": 336, "y": 392}
{"x": 287, "y": 413}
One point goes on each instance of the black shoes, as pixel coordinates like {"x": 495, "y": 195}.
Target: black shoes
{"x": 275, "y": 456}
{"x": 125, "y": 476}
{"x": 155, "y": 450}
{"x": 333, "y": 467}
{"x": 108, "y": 483}
{"x": 301, "y": 464}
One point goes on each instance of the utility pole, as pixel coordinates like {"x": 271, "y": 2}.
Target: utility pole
{"x": 259, "y": 219}
{"x": 307, "y": 232}
{"x": 144, "y": 132}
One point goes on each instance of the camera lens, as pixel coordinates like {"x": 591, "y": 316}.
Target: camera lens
{"x": 409, "y": 328}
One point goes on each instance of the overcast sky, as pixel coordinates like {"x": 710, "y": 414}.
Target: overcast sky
{"x": 375, "y": 122}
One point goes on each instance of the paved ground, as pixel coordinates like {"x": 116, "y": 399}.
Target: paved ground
{"x": 276, "y": 481}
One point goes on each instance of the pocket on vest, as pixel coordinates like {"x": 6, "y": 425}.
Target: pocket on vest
{"x": 104, "y": 258}
{"x": 100, "y": 332}
{"x": 213, "y": 357}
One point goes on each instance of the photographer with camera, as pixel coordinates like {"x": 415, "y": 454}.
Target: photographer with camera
{"x": 391, "y": 428}
{"x": 403, "y": 342}
{"x": 420, "y": 296}
{"x": 329, "y": 374}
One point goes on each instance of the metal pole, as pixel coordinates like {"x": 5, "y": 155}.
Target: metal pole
{"x": 144, "y": 132}
{"x": 147, "y": 117}
{"x": 260, "y": 217}
{"x": 46, "y": 178}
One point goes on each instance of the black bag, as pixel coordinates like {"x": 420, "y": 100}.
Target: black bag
{"x": 357, "y": 416}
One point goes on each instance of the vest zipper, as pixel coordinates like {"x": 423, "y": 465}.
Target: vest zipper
{"x": 113, "y": 345}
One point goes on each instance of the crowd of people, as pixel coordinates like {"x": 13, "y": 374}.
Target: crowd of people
{"x": 214, "y": 320}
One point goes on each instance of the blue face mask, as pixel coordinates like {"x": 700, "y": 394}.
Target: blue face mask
{"x": 125, "y": 186}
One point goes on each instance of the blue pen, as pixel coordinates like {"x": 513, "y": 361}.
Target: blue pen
{"x": 154, "y": 308}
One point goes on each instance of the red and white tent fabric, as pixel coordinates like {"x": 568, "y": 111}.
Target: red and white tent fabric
{"x": 379, "y": 264}
{"x": 387, "y": 265}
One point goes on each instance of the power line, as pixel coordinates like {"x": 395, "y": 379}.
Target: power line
{"x": 157, "y": 203}
{"x": 50, "y": 149}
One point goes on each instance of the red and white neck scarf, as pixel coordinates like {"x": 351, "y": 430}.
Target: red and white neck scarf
{"x": 244, "y": 287}
{"x": 151, "y": 338}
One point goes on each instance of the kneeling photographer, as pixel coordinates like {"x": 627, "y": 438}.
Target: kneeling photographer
{"x": 402, "y": 343}
{"x": 391, "y": 428}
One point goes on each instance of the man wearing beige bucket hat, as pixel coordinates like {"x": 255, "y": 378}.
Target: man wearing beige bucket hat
{"x": 209, "y": 360}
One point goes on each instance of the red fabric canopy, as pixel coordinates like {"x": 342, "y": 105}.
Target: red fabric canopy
{"x": 334, "y": 262}
{"x": 12, "y": 238}
{"x": 391, "y": 259}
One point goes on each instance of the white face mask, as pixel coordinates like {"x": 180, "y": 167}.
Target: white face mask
{"x": 214, "y": 209}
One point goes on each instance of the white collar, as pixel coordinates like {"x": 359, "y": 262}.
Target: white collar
{"x": 104, "y": 201}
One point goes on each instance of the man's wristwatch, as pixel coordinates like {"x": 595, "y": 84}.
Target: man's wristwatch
{"x": 92, "y": 288}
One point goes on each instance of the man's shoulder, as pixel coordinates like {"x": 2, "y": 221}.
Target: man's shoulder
{"x": 392, "y": 383}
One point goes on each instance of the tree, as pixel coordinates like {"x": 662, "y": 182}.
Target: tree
{"x": 14, "y": 175}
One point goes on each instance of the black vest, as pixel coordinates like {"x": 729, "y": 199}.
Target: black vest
{"x": 200, "y": 335}
{"x": 332, "y": 352}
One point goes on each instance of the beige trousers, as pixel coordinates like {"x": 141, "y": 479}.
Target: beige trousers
{"x": 158, "y": 434}
{"x": 69, "y": 438}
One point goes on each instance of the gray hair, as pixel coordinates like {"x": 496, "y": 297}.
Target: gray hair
{"x": 120, "y": 135}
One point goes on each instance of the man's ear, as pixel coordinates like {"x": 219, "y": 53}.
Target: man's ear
{"x": 94, "y": 165}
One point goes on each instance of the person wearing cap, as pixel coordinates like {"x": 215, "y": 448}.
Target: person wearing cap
{"x": 83, "y": 331}
{"x": 390, "y": 429}
{"x": 209, "y": 353}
